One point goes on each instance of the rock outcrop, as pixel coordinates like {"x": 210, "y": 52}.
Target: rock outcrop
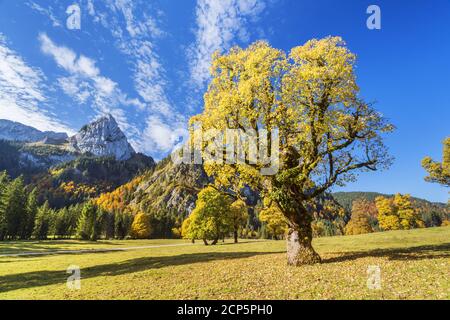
{"x": 101, "y": 138}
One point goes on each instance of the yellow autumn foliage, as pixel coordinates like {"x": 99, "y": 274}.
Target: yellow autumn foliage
{"x": 439, "y": 172}
{"x": 274, "y": 219}
{"x": 141, "y": 227}
{"x": 397, "y": 213}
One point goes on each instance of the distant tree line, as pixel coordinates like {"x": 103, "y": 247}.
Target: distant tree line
{"x": 215, "y": 217}
{"x": 392, "y": 213}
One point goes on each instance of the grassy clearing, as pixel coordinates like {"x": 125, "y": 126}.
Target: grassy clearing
{"x": 414, "y": 264}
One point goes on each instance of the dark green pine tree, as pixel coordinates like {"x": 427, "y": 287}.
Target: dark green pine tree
{"x": 4, "y": 182}
{"x": 74, "y": 214}
{"x": 42, "y": 222}
{"x": 32, "y": 209}
{"x": 122, "y": 224}
{"x": 87, "y": 224}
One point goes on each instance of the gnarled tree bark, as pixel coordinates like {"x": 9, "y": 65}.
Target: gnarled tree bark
{"x": 299, "y": 238}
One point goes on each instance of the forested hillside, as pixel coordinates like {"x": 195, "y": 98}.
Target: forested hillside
{"x": 346, "y": 199}
{"x": 169, "y": 193}
{"x": 87, "y": 177}
{"x": 22, "y": 158}
{"x": 431, "y": 212}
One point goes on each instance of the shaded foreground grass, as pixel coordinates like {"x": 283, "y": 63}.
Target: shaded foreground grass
{"x": 16, "y": 247}
{"x": 414, "y": 264}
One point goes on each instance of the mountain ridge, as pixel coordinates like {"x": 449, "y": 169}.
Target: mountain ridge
{"x": 16, "y": 131}
{"x": 101, "y": 137}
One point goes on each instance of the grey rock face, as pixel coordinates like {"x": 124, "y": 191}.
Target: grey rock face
{"x": 15, "y": 131}
{"x": 102, "y": 138}
{"x": 172, "y": 188}
{"x": 30, "y": 160}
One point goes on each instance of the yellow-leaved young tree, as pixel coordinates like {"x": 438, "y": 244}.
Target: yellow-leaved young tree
{"x": 210, "y": 219}
{"x": 359, "y": 222}
{"x": 397, "y": 213}
{"x": 141, "y": 227}
{"x": 325, "y": 131}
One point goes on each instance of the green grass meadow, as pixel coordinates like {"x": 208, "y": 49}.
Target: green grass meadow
{"x": 414, "y": 264}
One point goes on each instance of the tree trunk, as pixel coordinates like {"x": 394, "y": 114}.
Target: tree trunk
{"x": 299, "y": 237}
{"x": 235, "y": 234}
{"x": 299, "y": 248}
{"x": 215, "y": 241}
{"x": 205, "y": 242}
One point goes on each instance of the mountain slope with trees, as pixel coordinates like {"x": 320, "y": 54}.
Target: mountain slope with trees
{"x": 346, "y": 199}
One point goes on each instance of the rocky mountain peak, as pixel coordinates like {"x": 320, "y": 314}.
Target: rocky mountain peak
{"x": 103, "y": 137}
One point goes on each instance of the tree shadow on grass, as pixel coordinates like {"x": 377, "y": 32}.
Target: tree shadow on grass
{"x": 410, "y": 253}
{"x": 24, "y": 246}
{"x": 240, "y": 242}
{"x": 43, "y": 278}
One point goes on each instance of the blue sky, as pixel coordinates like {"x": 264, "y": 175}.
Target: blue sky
{"x": 146, "y": 62}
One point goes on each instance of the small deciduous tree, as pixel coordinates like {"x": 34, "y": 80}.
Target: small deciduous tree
{"x": 141, "y": 227}
{"x": 185, "y": 229}
{"x": 359, "y": 222}
{"x": 210, "y": 218}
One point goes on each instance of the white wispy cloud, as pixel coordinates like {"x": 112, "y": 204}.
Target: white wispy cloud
{"x": 73, "y": 87}
{"x": 22, "y": 92}
{"x": 90, "y": 7}
{"x": 219, "y": 25}
{"x": 136, "y": 28}
{"x": 47, "y": 12}
{"x": 85, "y": 83}
{"x": 135, "y": 36}
{"x": 162, "y": 136}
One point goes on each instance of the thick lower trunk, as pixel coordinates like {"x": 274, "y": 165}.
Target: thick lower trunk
{"x": 215, "y": 241}
{"x": 235, "y": 236}
{"x": 205, "y": 242}
{"x": 299, "y": 237}
{"x": 299, "y": 248}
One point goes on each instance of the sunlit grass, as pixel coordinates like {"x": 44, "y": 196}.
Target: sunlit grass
{"x": 414, "y": 264}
